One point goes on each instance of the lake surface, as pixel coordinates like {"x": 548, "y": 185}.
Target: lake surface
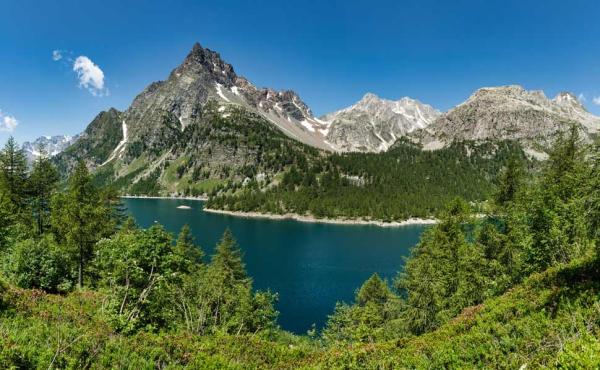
{"x": 310, "y": 265}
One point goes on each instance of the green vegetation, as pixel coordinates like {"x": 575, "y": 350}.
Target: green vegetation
{"x": 401, "y": 183}
{"x": 519, "y": 287}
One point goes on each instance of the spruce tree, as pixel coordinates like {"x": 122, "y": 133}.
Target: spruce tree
{"x": 188, "y": 254}
{"x": 13, "y": 166}
{"x": 80, "y": 218}
{"x": 42, "y": 183}
{"x": 374, "y": 290}
{"x": 228, "y": 259}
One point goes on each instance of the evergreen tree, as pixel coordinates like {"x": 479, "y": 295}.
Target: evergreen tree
{"x": 13, "y": 164}
{"x": 558, "y": 226}
{"x": 227, "y": 260}
{"x": 369, "y": 319}
{"x": 187, "y": 250}
{"x": 80, "y": 218}
{"x": 374, "y": 290}
{"x": 443, "y": 274}
{"x": 592, "y": 205}
{"x": 510, "y": 182}
{"x": 7, "y": 211}
{"x": 42, "y": 184}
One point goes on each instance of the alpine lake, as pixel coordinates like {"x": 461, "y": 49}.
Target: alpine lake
{"x": 310, "y": 265}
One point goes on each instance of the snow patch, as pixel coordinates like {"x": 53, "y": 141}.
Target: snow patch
{"x": 120, "y": 147}
{"x": 220, "y": 92}
{"x": 326, "y": 123}
{"x": 307, "y": 125}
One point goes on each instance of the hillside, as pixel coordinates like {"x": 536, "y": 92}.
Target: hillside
{"x": 549, "y": 320}
{"x": 224, "y": 145}
{"x": 401, "y": 183}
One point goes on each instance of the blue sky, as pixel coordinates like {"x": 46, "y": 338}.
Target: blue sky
{"x": 330, "y": 52}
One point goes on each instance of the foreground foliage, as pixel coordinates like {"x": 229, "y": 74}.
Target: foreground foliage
{"x": 548, "y": 321}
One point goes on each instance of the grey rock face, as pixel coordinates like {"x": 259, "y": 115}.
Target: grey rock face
{"x": 374, "y": 124}
{"x": 509, "y": 112}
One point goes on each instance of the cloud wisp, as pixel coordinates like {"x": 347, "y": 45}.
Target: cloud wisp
{"x": 57, "y": 55}
{"x": 596, "y": 100}
{"x": 89, "y": 74}
{"x": 7, "y": 123}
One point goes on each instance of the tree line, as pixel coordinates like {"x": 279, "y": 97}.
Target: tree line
{"x": 74, "y": 236}
{"x": 401, "y": 183}
{"x": 536, "y": 221}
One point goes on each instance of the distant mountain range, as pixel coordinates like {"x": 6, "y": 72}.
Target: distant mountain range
{"x": 204, "y": 119}
{"x": 510, "y": 112}
{"x": 51, "y": 145}
{"x": 374, "y": 124}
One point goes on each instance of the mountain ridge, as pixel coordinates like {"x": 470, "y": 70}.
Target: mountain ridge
{"x": 373, "y": 124}
{"x": 510, "y": 113}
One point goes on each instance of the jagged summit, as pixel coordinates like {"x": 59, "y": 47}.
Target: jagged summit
{"x": 51, "y": 145}
{"x": 569, "y": 101}
{"x": 204, "y": 59}
{"x": 373, "y": 124}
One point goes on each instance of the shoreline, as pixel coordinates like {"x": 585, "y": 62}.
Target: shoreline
{"x": 163, "y": 197}
{"x": 311, "y": 219}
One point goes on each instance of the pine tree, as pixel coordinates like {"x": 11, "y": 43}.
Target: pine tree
{"x": 42, "y": 184}
{"x": 441, "y": 275}
{"x": 593, "y": 197}
{"x": 510, "y": 182}
{"x": 7, "y": 218}
{"x": 80, "y": 218}
{"x": 189, "y": 254}
{"x": 13, "y": 164}
{"x": 374, "y": 290}
{"x": 558, "y": 225}
{"x": 228, "y": 259}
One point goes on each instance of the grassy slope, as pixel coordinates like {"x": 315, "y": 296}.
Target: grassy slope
{"x": 552, "y": 315}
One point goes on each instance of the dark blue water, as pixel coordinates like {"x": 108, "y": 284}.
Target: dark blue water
{"x": 310, "y": 265}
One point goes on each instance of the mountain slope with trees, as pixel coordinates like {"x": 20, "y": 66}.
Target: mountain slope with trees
{"x": 401, "y": 183}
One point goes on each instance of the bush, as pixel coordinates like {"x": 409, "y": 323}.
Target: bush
{"x": 39, "y": 264}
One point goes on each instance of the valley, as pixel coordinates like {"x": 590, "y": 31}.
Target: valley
{"x": 349, "y": 185}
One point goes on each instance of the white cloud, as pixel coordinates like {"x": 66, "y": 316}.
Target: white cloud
{"x": 90, "y": 76}
{"x": 7, "y": 123}
{"x": 56, "y": 55}
{"x": 581, "y": 98}
{"x": 596, "y": 100}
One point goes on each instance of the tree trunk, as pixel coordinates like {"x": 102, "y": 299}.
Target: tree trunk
{"x": 80, "y": 277}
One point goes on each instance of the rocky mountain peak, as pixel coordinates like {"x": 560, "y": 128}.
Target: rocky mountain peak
{"x": 568, "y": 100}
{"x": 204, "y": 60}
{"x": 509, "y": 112}
{"x": 373, "y": 124}
{"x": 369, "y": 97}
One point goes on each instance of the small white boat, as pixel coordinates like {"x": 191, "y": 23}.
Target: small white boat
{"x": 184, "y": 207}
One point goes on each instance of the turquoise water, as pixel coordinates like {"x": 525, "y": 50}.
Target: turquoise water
{"x": 310, "y": 265}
